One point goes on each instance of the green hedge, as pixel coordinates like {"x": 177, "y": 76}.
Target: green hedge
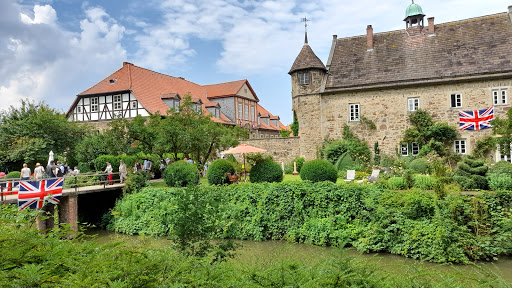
{"x": 424, "y": 182}
{"x": 319, "y": 170}
{"x": 216, "y": 173}
{"x": 266, "y": 171}
{"x": 13, "y": 175}
{"x": 181, "y": 174}
{"x": 397, "y": 183}
{"x": 410, "y": 223}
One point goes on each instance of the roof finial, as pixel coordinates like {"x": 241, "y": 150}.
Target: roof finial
{"x": 305, "y": 20}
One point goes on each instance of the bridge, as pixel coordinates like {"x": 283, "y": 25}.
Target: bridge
{"x": 74, "y": 185}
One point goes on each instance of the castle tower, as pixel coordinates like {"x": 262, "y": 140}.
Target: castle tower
{"x": 307, "y": 75}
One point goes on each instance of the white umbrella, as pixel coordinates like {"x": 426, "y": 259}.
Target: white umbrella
{"x": 51, "y": 157}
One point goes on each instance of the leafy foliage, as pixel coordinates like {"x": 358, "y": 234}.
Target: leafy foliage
{"x": 397, "y": 183}
{"x": 419, "y": 165}
{"x": 501, "y": 167}
{"x": 13, "y": 175}
{"x": 216, "y": 173}
{"x": 470, "y": 174}
{"x": 266, "y": 171}
{"x": 319, "y": 170}
{"x": 29, "y": 132}
{"x": 431, "y": 136}
{"x": 285, "y": 133}
{"x": 412, "y": 223}
{"x": 135, "y": 182}
{"x": 357, "y": 149}
{"x": 295, "y": 125}
{"x": 499, "y": 182}
{"x": 424, "y": 182}
{"x": 181, "y": 174}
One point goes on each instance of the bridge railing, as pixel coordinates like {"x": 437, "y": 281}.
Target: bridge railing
{"x": 71, "y": 181}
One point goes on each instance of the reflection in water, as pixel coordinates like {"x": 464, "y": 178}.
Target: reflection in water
{"x": 271, "y": 252}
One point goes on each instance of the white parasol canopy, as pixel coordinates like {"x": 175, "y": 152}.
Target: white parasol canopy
{"x": 50, "y": 159}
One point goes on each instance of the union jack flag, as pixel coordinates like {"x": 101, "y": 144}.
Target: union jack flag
{"x": 476, "y": 119}
{"x": 32, "y": 194}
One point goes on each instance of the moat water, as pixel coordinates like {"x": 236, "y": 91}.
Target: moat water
{"x": 269, "y": 252}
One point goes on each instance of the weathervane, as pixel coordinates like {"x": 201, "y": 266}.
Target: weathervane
{"x": 305, "y": 20}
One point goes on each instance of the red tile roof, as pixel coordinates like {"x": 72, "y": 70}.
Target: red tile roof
{"x": 227, "y": 89}
{"x": 150, "y": 87}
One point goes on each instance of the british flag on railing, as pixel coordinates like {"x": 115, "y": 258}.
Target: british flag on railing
{"x": 476, "y": 119}
{"x": 32, "y": 194}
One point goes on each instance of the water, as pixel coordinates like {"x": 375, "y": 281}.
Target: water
{"x": 271, "y": 252}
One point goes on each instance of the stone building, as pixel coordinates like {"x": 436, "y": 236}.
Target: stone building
{"x": 441, "y": 68}
{"x": 132, "y": 91}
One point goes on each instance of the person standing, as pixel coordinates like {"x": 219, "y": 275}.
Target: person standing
{"x": 38, "y": 172}
{"x": 25, "y": 173}
{"x": 50, "y": 170}
{"x": 109, "y": 172}
{"x": 147, "y": 165}
{"x": 122, "y": 171}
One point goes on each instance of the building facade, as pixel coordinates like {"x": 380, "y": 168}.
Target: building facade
{"x": 132, "y": 91}
{"x": 440, "y": 68}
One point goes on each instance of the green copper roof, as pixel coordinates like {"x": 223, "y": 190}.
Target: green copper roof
{"x": 413, "y": 10}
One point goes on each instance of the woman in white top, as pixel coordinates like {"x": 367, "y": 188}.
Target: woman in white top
{"x": 38, "y": 172}
{"x": 109, "y": 171}
{"x": 25, "y": 173}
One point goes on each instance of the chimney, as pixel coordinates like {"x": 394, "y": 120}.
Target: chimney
{"x": 431, "y": 25}
{"x": 369, "y": 38}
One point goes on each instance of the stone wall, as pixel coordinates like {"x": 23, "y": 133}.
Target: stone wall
{"x": 322, "y": 116}
{"x": 282, "y": 149}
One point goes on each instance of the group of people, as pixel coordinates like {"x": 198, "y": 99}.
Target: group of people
{"x": 52, "y": 170}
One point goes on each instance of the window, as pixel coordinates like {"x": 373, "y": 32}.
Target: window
{"x": 499, "y": 96}
{"x": 404, "y": 149}
{"x": 304, "y": 78}
{"x": 134, "y": 104}
{"x": 413, "y": 104}
{"x": 354, "y": 112}
{"x": 117, "y": 102}
{"x": 460, "y": 146}
{"x": 456, "y": 100}
{"x": 246, "y": 112}
{"x": 415, "y": 149}
{"x": 79, "y": 109}
{"x": 252, "y": 114}
{"x": 240, "y": 112}
{"x": 94, "y": 104}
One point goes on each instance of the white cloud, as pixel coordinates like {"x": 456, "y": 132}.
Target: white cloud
{"x": 42, "y": 15}
{"x": 47, "y": 62}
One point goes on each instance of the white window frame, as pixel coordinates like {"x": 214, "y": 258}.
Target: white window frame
{"x": 460, "y": 146}
{"x": 134, "y": 105}
{"x": 413, "y": 104}
{"x": 246, "y": 112}
{"x": 499, "y": 96}
{"x": 354, "y": 112}
{"x": 404, "y": 149}
{"x": 456, "y": 100}
{"x": 118, "y": 102}
{"x": 79, "y": 109}
{"x": 252, "y": 113}
{"x": 240, "y": 111}
{"x": 304, "y": 78}
{"x": 415, "y": 148}
{"x": 94, "y": 104}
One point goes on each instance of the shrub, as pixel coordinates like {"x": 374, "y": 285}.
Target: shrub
{"x": 216, "y": 173}
{"x": 345, "y": 162}
{"x": 419, "y": 165}
{"x": 361, "y": 175}
{"x": 135, "y": 182}
{"x": 100, "y": 163}
{"x": 501, "y": 167}
{"x": 266, "y": 171}
{"x": 470, "y": 174}
{"x": 181, "y": 174}
{"x": 500, "y": 182}
{"x": 397, "y": 183}
{"x": 319, "y": 170}
{"x": 13, "y": 175}
{"x": 83, "y": 167}
{"x": 424, "y": 182}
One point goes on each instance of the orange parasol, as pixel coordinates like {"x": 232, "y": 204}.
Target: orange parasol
{"x": 243, "y": 148}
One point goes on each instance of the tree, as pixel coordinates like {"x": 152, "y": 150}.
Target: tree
{"x": 29, "y": 132}
{"x": 295, "y": 125}
{"x": 431, "y": 136}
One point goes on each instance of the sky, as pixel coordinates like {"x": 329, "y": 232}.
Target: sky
{"x": 51, "y": 50}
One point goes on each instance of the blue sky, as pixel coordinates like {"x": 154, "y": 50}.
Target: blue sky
{"x": 51, "y": 50}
